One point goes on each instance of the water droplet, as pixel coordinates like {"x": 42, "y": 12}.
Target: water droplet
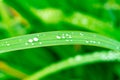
{"x": 63, "y": 36}
{"x": 103, "y": 57}
{"x": 87, "y": 41}
{"x": 40, "y": 42}
{"x": 81, "y": 34}
{"x": 30, "y": 40}
{"x": 78, "y": 58}
{"x": 70, "y": 36}
{"x": 67, "y": 34}
{"x": 112, "y": 56}
{"x": 93, "y": 42}
{"x": 58, "y": 37}
{"x": 32, "y": 43}
{"x": 35, "y": 39}
{"x": 8, "y": 44}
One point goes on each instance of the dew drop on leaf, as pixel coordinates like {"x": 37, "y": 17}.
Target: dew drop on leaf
{"x": 87, "y": 41}
{"x": 58, "y": 37}
{"x": 98, "y": 42}
{"x": 8, "y": 44}
{"x": 30, "y": 40}
{"x": 35, "y": 39}
{"x": 32, "y": 43}
{"x": 81, "y": 34}
{"x": 63, "y": 36}
{"x": 77, "y": 58}
{"x": 40, "y": 42}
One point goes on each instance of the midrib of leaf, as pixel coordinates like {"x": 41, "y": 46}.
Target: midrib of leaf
{"x": 57, "y": 38}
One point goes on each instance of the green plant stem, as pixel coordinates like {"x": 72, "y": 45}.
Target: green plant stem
{"x": 57, "y": 38}
{"x": 75, "y": 61}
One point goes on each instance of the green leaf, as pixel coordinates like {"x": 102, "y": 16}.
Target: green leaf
{"x": 74, "y": 61}
{"x": 57, "y": 38}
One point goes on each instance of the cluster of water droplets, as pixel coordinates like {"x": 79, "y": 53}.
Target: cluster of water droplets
{"x": 90, "y": 41}
{"x": 110, "y": 56}
{"x": 104, "y": 56}
{"x": 80, "y": 59}
{"x": 107, "y": 56}
{"x": 66, "y": 37}
{"x": 7, "y": 44}
{"x": 32, "y": 41}
{"x": 75, "y": 59}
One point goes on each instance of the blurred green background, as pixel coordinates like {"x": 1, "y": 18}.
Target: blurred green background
{"x": 20, "y": 17}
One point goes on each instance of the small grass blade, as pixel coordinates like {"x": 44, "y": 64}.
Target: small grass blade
{"x": 74, "y": 61}
{"x": 57, "y": 38}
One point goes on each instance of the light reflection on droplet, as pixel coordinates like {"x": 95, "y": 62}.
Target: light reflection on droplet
{"x": 78, "y": 58}
{"x": 94, "y": 42}
{"x": 40, "y": 42}
{"x": 70, "y": 36}
{"x": 81, "y": 34}
{"x": 30, "y": 40}
{"x": 63, "y": 36}
{"x": 67, "y": 34}
{"x": 35, "y": 39}
{"x": 87, "y": 41}
{"x": 32, "y": 43}
{"x": 8, "y": 44}
{"x": 58, "y": 37}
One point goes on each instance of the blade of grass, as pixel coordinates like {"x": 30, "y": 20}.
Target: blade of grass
{"x": 11, "y": 71}
{"x": 57, "y": 38}
{"x": 78, "y": 19}
{"x": 93, "y": 24}
{"x": 74, "y": 61}
{"x": 23, "y": 8}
